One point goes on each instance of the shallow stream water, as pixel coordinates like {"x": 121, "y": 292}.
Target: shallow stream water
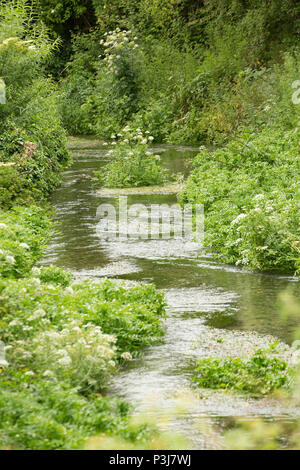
{"x": 213, "y": 309}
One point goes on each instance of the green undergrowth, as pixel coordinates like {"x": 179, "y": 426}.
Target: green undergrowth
{"x": 32, "y": 138}
{"x": 132, "y": 163}
{"x": 250, "y": 193}
{"x": 261, "y": 374}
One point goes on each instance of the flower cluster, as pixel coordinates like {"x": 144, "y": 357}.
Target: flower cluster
{"x": 81, "y": 354}
{"x": 22, "y": 234}
{"x": 133, "y": 163}
{"x": 131, "y": 137}
{"x": 264, "y": 230}
{"x": 115, "y": 44}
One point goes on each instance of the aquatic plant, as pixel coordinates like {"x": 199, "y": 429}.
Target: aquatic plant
{"x": 260, "y": 374}
{"x": 133, "y": 164}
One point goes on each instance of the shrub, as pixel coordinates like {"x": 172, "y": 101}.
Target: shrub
{"x": 32, "y": 136}
{"x": 261, "y": 374}
{"x": 23, "y": 234}
{"x": 251, "y": 200}
{"x": 133, "y": 164}
{"x": 15, "y": 189}
{"x": 44, "y": 415}
{"x": 53, "y": 275}
{"x": 132, "y": 316}
{"x": 77, "y": 354}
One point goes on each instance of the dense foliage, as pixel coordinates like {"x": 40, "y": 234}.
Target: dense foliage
{"x": 133, "y": 164}
{"x": 250, "y": 194}
{"x": 63, "y": 341}
{"x": 32, "y": 138}
{"x": 200, "y": 69}
{"x": 261, "y": 374}
{"x": 175, "y": 71}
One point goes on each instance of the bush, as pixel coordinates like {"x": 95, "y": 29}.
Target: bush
{"x": 53, "y": 275}
{"x": 32, "y": 136}
{"x": 62, "y": 345}
{"x": 133, "y": 316}
{"x": 251, "y": 200}
{"x": 80, "y": 355}
{"x": 43, "y": 415}
{"x": 15, "y": 189}
{"x": 133, "y": 164}
{"x": 260, "y": 374}
{"x": 23, "y": 234}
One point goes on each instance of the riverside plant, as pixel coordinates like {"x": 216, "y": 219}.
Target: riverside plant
{"x": 251, "y": 200}
{"x": 117, "y": 44}
{"x": 260, "y": 374}
{"x": 133, "y": 164}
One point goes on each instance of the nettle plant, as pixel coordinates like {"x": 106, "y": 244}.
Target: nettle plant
{"x": 133, "y": 164}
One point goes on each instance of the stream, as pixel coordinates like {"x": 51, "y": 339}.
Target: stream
{"x": 212, "y": 309}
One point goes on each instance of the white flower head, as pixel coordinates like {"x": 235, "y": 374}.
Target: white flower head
{"x": 126, "y": 356}
{"x": 238, "y": 219}
{"x": 65, "y": 360}
{"x": 36, "y": 271}
{"x": 25, "y": 246}
{"x": 258, "y": 197}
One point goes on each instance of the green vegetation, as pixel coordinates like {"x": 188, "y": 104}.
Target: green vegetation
{"x": 132, "y": 162}
{"x": 212, "y": 72}
{"x": 207, "y": 72}
{"x": 195, "y": 72}
{"x": 261, "y": 374}
{"x": 23, "y": 234}
{"x": 32, "y": 138}
{"x": 251, "y": 200}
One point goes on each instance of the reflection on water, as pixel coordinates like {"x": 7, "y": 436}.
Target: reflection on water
{"x": 206, "y": 300}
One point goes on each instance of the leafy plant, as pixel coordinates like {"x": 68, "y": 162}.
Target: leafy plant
{"x": 132, "y": 162}
{"x": 260, "y": 374}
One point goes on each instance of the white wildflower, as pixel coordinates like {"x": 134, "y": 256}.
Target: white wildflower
{"x": 25, "y": 246}
{"x": 238, "y": 219}
{"x": 48, "y": 373}
{"x": 126, "y": 356}
{"x": 3, "y": 362}
{"x": 39, "y": 313}
{"x": 69, "y": 290}
{"x": 36, "y": 271}
{"x": 258, "y": 197}
{"x": 64, "y": 361}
